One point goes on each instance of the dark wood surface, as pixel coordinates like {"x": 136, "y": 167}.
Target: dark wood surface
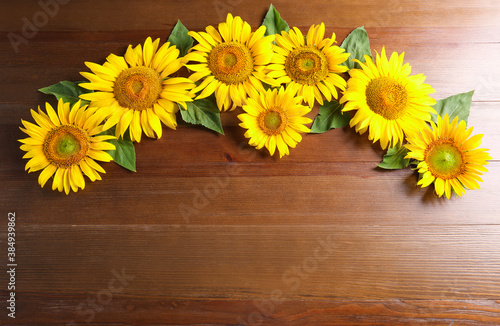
{"x": 321, "y": 237}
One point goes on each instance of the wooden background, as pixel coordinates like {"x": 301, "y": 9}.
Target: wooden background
{"x": 321, "y": 237}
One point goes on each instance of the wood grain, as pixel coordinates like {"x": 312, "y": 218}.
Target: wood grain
{"x": 210, "y": 231}
{"x": 159, "y": 310}
{"x": 301, "y": 261}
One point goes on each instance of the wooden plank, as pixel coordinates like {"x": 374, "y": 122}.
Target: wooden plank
{"x": 137, "y": 310}
{"x": 396, "y": 13}
{"x": 322, "y": 185}
{"x": 357, "y": 261}
{"x": 431, "y": 35}
{"x": 334, "y": 194}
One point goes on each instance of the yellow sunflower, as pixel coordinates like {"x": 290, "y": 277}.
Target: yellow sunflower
{"x": 310, "y": 65}
{"x": 65, "y": 144}
{"x": 231, "y": 62}
{"x": 274, "y": 119}
{"x": 136, "y": 92}
{"x": 448, "y": 157}
{"x": 389, "y": 102}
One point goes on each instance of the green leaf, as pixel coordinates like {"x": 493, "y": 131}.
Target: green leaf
{"x": 203, "y": 112}
{"x": 358, "y": 45}
{"x": 455, "y": 105}
{"x": 68, "y": 91}
{"x": 124, "y": 155}
{"x": 180, "y": 38}
{"x": 330, "y": 116}
{"x": 274, "y": 23}
{"x": 394, "y": 159}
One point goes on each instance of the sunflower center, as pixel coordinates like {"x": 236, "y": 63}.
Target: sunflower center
{"x": 445, "y": 160}
{"x": 66, "y": 145}
{"x": 273, "y": 121}
{"x": 230, "y": 62}
{"x": 386, "y": 97}
{"x": 137, "y": 88}
{"x": 306, "y": 65}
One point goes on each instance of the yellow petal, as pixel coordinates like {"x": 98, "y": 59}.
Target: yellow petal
{"x": 89, "y": 172}
{"x": 63, "y": 112}
{"x": 168, "y": 118}
{"x": 99, "y": 155}
{"x": 439, "y": 186}
{"x": 57, "y": 182}
{"x": 124, "y": 122}
{"x": 94, "y": 165}
{"x": 145, "y": 125}
{"x": 66, "y": 181}
{"x": 42, "y": 119}
{"x": 76, "y": 177}
{"x": 102, "y": 146}
{"x": 135, "y": 126}
{"x": 208, "y": 90}
{"x": 154, "y": 122}
{"x": 46, "y": 174}
{"x": 101, "y": 71}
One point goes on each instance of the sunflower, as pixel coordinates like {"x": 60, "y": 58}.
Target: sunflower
{"x": 136, "y": 91}
{"x": 389, "y": 102}
{"x": 274, "y": 119}
{"x": 230, "y": 62}
{"x": 448, "y": 157}
{"x": 65, "y": 144}
{"x": 310, "y": 65}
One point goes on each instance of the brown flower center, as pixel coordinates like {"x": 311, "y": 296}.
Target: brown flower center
{"x": 306, "y": 65}
{"x": 230, "y": 62}
{"x": 273, "y": 121}
{"x": 445, "y": 160}
{"x": 138, "y": 88}
{"x": 386, "y": 97}
{"x": 66, "y": 145}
